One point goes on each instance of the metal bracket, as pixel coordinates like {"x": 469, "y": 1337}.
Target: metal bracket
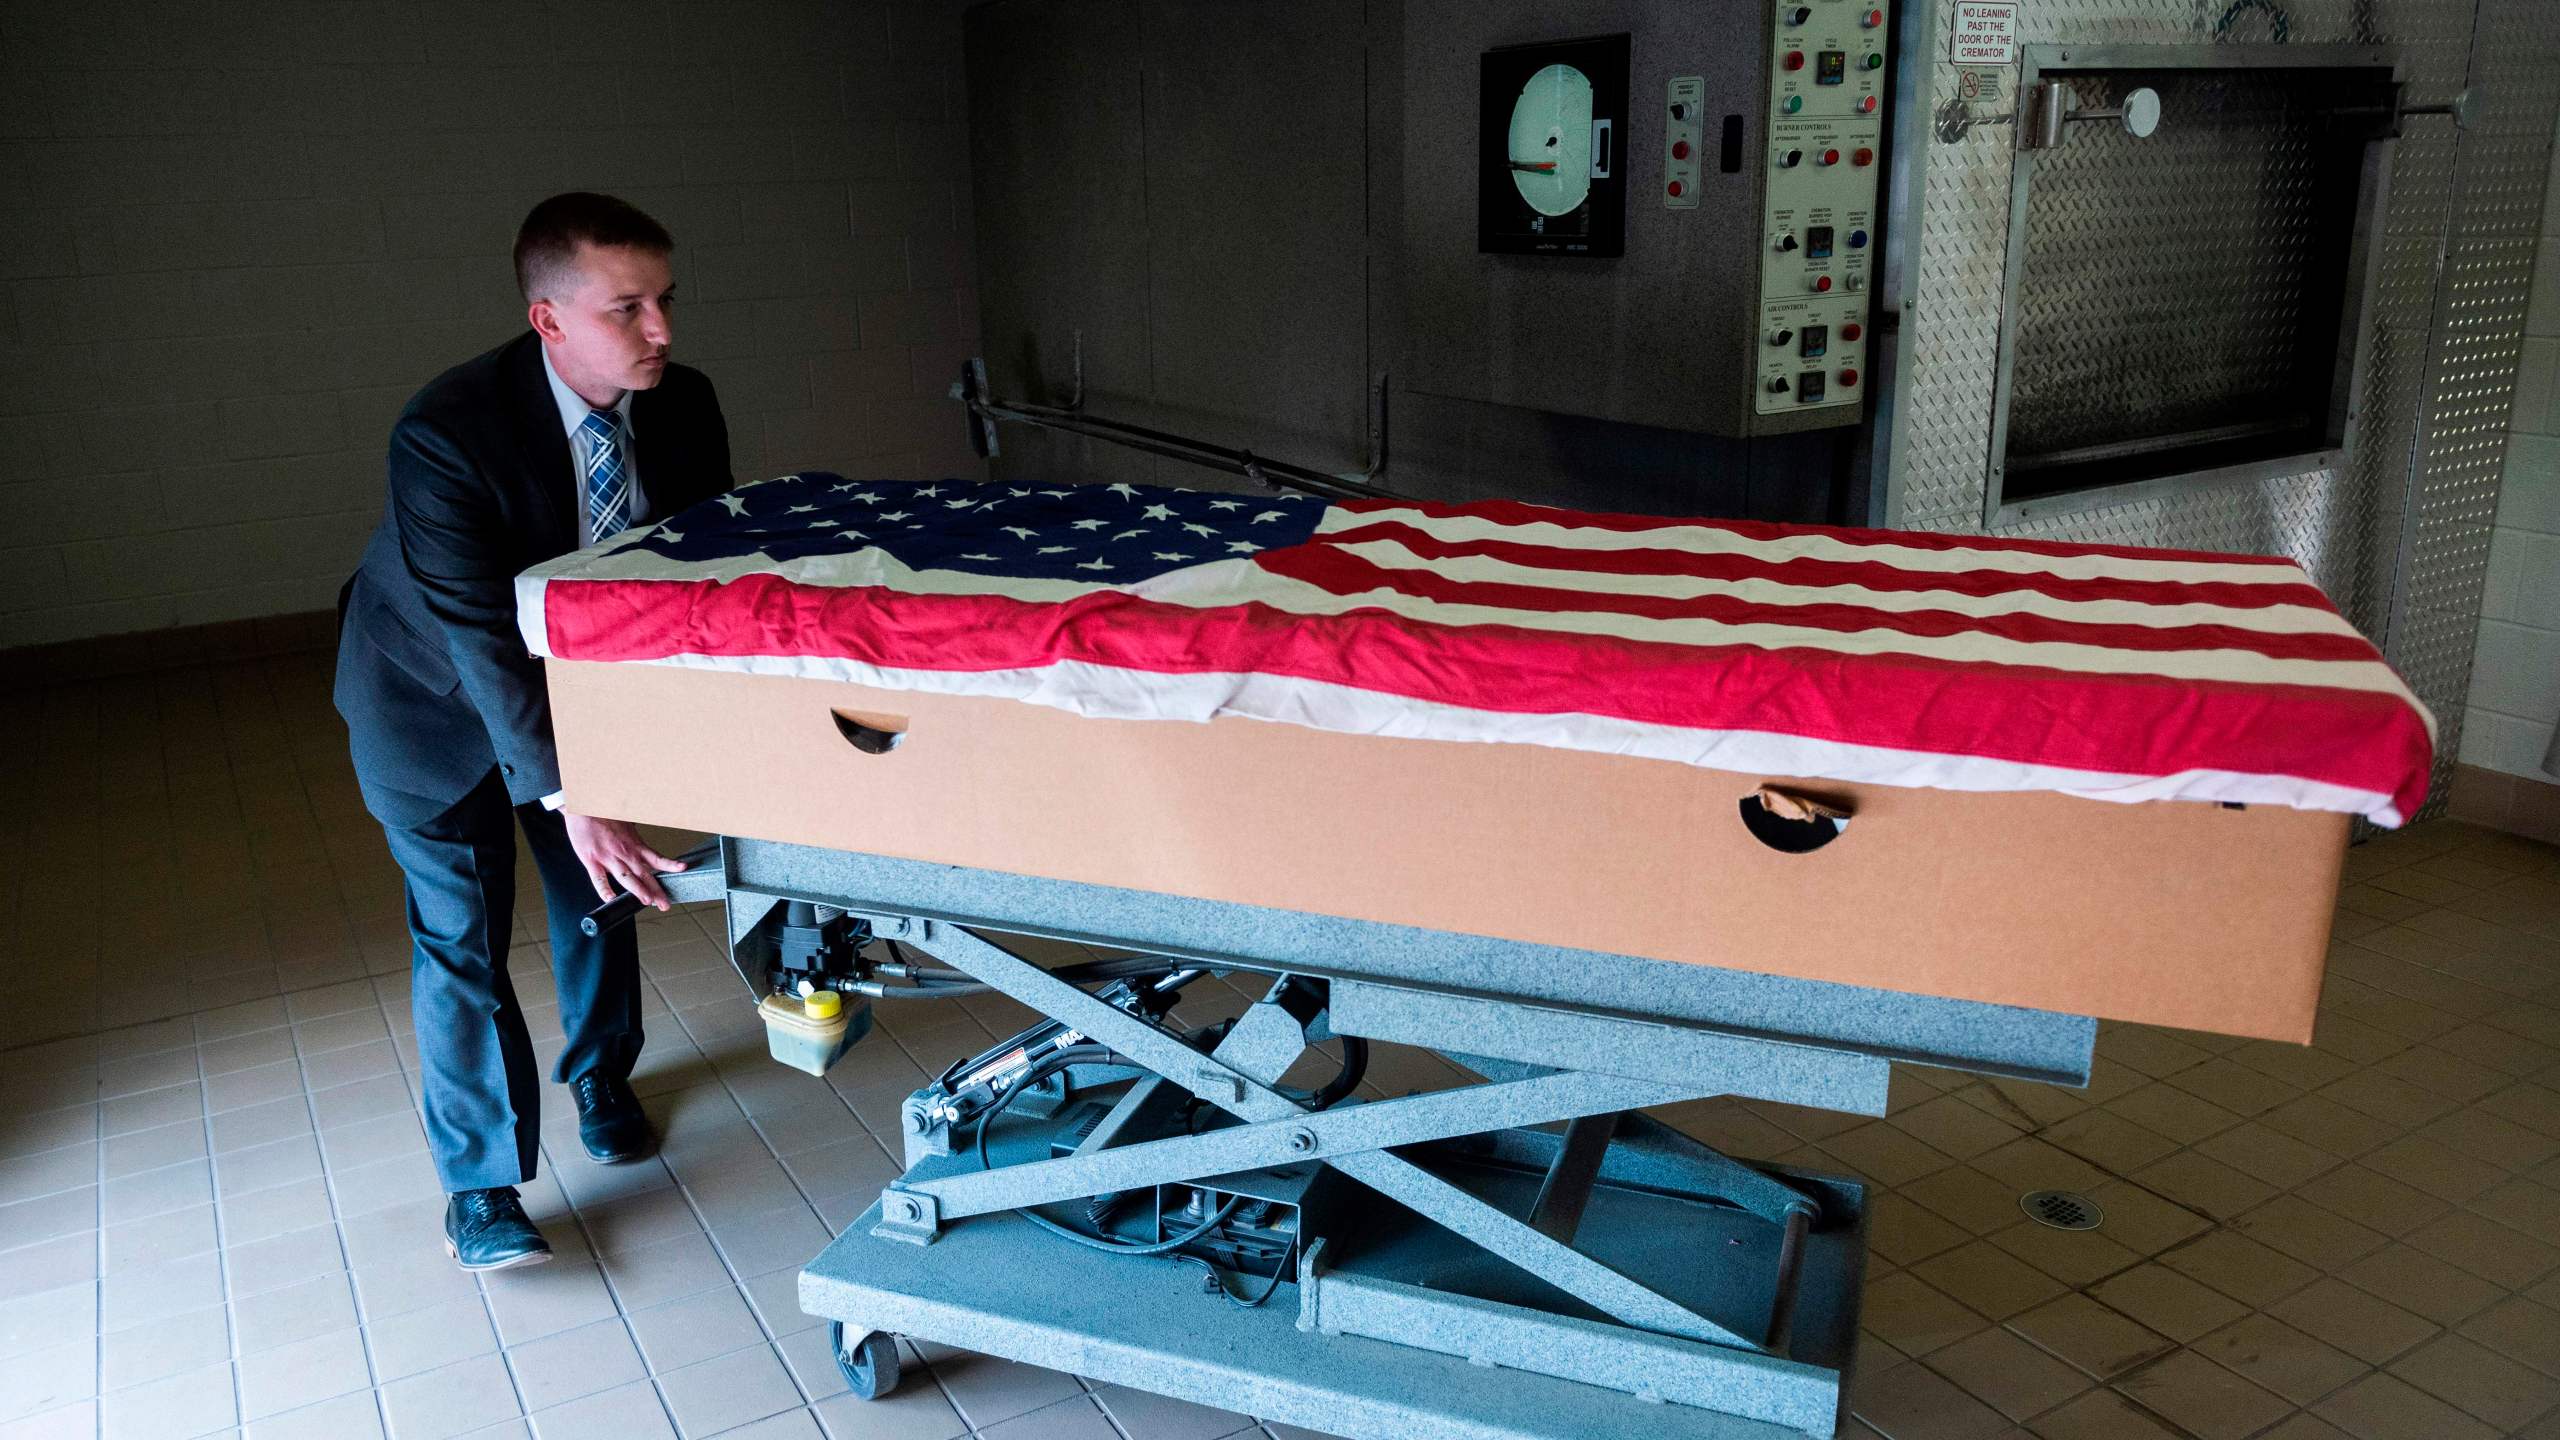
{"x": 909, "y": 1214}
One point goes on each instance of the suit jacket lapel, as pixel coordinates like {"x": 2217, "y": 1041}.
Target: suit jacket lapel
{"x": 549, "y": 470}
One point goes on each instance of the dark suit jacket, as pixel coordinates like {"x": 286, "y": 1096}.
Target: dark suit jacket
{"x": 433, "y": 676}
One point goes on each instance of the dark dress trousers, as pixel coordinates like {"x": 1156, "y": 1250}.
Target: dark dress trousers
{"x": 450, "y": 727}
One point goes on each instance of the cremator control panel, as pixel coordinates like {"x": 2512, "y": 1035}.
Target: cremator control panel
{"x": 1663, "y": 212}
{"x": 1825, "y": 171}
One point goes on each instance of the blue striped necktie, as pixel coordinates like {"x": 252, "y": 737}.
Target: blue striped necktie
{"x": 608, "y": 497}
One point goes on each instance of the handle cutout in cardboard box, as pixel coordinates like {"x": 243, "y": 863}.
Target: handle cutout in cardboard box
{"x": 1789, "y": 823}
{"x": 868, "y": 738}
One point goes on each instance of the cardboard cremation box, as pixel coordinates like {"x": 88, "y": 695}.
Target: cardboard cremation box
{"x": 2179, "y": 913}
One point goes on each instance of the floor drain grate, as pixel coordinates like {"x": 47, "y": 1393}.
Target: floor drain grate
{"x": 2062, "y": 1210}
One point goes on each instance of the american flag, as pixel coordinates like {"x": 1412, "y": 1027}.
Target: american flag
{"x": 1773, "y": 650}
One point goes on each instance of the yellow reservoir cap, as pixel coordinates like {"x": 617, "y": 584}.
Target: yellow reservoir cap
{"x": 822, "y": 1004}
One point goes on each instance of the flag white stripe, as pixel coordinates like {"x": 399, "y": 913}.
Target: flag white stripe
{"x": 1105, "y": 693}
{"x": 1713, "y": 540}
{"x": 2273, "y": 619}
{"x": 2232, "y": 666}
{"x": 842, "y": 570}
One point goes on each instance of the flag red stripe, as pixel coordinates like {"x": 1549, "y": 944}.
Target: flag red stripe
{"x": 1871, "y": 574}
{"x": 1345, "y": 574}
{"x": 1514, "y": 512}
{"x": 2134, "y": 725}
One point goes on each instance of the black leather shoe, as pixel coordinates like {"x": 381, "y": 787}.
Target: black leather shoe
{"x": 487, "y": 1230}
{"x": 610, "y": 1122}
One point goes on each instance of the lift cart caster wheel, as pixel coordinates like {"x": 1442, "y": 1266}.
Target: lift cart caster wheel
{"x": 870, "y": 1365}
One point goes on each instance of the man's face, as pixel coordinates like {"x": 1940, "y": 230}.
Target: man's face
{"x": 610, "y": 324}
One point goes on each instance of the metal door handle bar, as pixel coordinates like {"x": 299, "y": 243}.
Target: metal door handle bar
{"x": 703, "y": 878}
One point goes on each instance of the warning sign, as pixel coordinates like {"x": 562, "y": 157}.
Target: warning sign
{"x": 1986, "y": 33}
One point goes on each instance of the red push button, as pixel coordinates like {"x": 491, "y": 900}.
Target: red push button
{"x": 1848, "y": 379}
{"x": 1821, "y": 284}
{"x": 1679, "y": 149}
{"x": 1852, "y": 331}
{"x": 1830, "y": 157}
{"x": 1675, "y": 189}
{"x": 1794, "y": 60}
{"x": 1864, "y": 156}
{"x": 1875, "y": 19}
{"x": 1867, "y": 105}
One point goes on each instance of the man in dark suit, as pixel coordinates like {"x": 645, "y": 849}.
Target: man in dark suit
{"x": 554, "y": 440}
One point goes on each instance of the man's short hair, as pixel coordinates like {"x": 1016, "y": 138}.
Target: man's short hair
{"x": 547, "y": 243}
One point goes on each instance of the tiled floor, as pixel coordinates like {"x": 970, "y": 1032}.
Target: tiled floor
{"x": 216, "y": 1215}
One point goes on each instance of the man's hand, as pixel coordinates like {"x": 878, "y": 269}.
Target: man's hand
{"x": 614, "y": 853}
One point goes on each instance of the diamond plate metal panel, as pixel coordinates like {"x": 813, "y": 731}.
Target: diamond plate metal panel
{"x": 2175, "y": 284}
{"x": 2400, "y": 535}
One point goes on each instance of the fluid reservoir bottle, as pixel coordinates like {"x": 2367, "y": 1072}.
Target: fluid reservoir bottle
{"x": 811, "y": 1032}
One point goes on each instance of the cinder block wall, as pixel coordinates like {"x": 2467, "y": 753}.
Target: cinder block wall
{"x": 2515, "y": 678}
{"x": 235, "y": 238}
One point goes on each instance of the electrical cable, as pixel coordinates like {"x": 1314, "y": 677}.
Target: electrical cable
{"x": 1079, "y": 1055}
{"x": 1049, "y": 1065}
{"x": 1355, "y": 1064}
{"x": 1122, "y": 1247}
{"x": 929, "y": 992}
{"x": 1036, "y": 1034}
{"x": 1355, "y": 1068}
{"x": 1270, "y": 1287}
{"x": 1115, "y": 967}
{"x": 937, "y": 983}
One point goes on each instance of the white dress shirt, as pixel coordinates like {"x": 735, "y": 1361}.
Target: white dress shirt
{"x": 574, "y": 410}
